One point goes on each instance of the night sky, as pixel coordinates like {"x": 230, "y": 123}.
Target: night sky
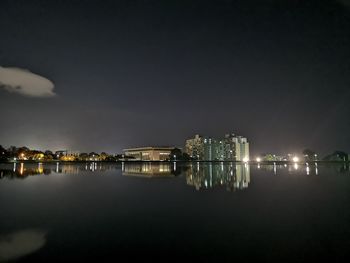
{"x": 139, "y": 73}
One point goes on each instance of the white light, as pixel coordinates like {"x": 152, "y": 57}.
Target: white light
{"x": 295, "y": 159}
{"x": 245, "y": 159}
{"x": 258, "y": 159}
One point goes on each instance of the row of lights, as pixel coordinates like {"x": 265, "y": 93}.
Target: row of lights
{"x": 258, "y": 159}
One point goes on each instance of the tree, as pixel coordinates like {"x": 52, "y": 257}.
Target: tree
{"x": 83, "y": 157}
{"x": 343, "y": 156}
{"x": 12, "y": 151}
{"x": 186, "y": 157}
{"x": 103, "y": 156}
{"x": 268, "y": 157}
{"x": 309, "y": 155}
{"x": 48, "y": 152}
{"x": 94, "y": 156}
{"x": 3, "y": 153}
{"x": 176, "y": 154}
{"x": 337, "y": 156}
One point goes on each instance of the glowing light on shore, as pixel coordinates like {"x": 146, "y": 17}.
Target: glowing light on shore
{"x": 245, "y": 159}
{"x": 258, "y": 159}
{"x": 295, "y": 159}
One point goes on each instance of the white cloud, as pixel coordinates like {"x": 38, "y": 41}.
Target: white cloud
{"x": 26, "y": 83}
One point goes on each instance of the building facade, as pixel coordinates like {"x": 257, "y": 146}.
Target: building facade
{"x": 149, "y": 153}
{"x": 233, "y": 176}
{"x": 228, "y": 148}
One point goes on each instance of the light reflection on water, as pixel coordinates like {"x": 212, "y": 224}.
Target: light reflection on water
{"x": 201, "y": 175}
{"x": 120, "y": 208}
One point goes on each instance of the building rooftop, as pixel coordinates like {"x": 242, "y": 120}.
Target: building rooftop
{"x": 148, "y": 148}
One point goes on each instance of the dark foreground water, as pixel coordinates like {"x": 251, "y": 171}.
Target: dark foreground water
{"x": 219, "y": 212}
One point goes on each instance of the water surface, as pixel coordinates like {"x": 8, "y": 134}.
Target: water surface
{"x": 218, "y": 212}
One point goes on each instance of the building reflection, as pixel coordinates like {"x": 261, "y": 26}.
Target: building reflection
{"x": 201, "y": 175}
{"x": 149, "y": 169}
{"x": 23, "y": 170}
{"x": 233, "y": 176}
{"x": 304, "y": 169}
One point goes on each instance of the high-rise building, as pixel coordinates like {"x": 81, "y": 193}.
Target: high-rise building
{"x": 229, "y": 148}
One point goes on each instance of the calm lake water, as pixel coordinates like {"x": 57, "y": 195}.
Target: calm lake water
{"x": 218, "y": 212}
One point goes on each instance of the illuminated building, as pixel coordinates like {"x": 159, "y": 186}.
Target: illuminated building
{"x": 149, "y": 153}
{"x": 229, "y": 148}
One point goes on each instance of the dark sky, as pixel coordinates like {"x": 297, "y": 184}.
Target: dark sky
{"x": 137, "y": 73}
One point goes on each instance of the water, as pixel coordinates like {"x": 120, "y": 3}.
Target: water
{"x": 218, "y": 212}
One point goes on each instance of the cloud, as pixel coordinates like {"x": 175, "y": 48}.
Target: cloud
{"x": 26, "y": 83}
{"x": 21, "y": 243}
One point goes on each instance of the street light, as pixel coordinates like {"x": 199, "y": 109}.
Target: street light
{"x": 258, "y": 159}
{"x": 295, "y": 159}
{"x": 245, "y": 159}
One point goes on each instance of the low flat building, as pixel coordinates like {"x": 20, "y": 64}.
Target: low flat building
{"x": 149, "y": 153}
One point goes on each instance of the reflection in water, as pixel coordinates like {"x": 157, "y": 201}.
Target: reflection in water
{"x": 148, "y": 169}
{"x": 23, "y": 170}
{"x": 307, "y": 169}
{"x": 233, "y": 176}
{"x": 21, "y": 243}
{"x": 296, "y": 166}
{"x": 198, "y": 174}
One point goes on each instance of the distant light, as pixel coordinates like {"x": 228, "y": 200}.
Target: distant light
{"x": 258, "y": 159}
{"x": 245, "y": 159}
{"x": 295, "y": 159}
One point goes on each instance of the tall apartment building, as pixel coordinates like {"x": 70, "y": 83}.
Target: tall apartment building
{"x": 228, "y": 148}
